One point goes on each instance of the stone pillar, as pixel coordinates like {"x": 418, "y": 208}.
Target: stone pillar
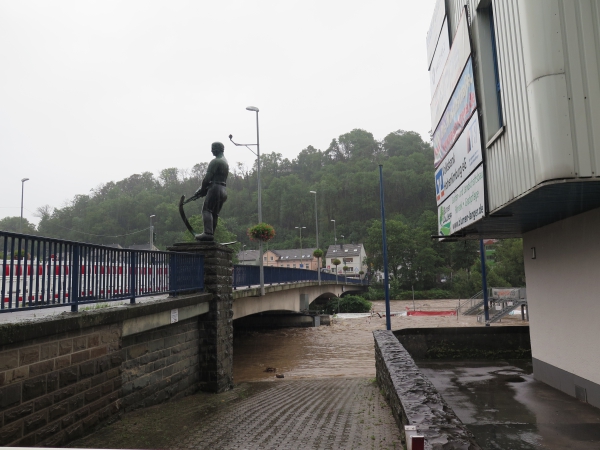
{"x": 216, "y": 327}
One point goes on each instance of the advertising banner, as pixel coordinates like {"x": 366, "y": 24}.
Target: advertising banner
{"x": 464, "y": 207}
{"x": 506, "y": 293}
{"x": 461, "y": 161}
{"x": 457, "y": 58}
{"x": 459, "y": 110}
{"x": 439, "y": 14}
{"x": 439, "y": 58}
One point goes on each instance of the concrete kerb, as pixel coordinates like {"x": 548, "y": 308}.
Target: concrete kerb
{"x": 11, "y": 333}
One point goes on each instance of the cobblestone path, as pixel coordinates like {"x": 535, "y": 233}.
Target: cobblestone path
{"x": 330, "y": 413}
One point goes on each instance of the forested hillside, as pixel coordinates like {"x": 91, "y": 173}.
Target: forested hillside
{"x": 346, "y": 178}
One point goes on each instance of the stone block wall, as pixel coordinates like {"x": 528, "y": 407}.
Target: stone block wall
{"x": 216, "y": 327}
{"x": 160, "y": 364}
{"x": 63, "y": 377}
{"x": 414, "y": 400}
{"x": 58, "y": 387}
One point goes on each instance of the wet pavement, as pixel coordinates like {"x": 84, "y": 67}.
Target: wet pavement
{"x": 328, "y": 399}
{"x": 505, "y": 408}
{"x": 330, "y": 413}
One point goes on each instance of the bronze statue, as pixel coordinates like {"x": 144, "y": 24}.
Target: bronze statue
{"x": 214, "y": 189}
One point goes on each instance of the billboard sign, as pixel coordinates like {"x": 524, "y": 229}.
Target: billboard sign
{"x": 457, "y": 58}
{"x": 459, "y": 110}
{"x": 506, "y": 293}
{"x": 439, "y": 58}
{"x": 460, "y": 162}
{"x": 464, "y": 207}
{"x": 433, "y": 34}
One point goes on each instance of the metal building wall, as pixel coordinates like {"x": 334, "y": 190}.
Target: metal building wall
{"x": 546, "y": 137}
{"x": 580, "y": 24}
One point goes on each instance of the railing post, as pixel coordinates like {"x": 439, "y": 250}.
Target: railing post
{"x": 173, "y": 269}
{"x": 75, "y": 272}
{"x": 132, "y": 286}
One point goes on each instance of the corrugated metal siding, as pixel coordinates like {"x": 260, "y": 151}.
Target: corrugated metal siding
{"x": 580, "y": 24}
{"x": 510, "y": 167}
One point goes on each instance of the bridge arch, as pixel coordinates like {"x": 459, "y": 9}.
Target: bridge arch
{"x": 292, "y": 297}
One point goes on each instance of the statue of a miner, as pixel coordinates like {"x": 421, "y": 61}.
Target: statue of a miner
{"x": 214, "y": 190}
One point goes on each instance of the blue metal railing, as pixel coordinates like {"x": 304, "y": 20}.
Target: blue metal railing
{"x": 246, "y": 276}
{"x": 39, "y": 272}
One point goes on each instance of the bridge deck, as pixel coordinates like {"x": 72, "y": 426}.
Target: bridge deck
{"x": 252, "y": 291}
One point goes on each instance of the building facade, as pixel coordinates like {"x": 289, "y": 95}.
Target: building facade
{"x": 351, "y": 256}
{"x": 294, "y": 258}
{"x": 248, "y": 257}
{"x": 515, "y": 108}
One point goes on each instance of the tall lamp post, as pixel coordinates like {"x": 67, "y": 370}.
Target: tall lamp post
{"x": 244, "y": 249}
{"x": 23, "y": 180}
{"x": 343, "y": 240}
{"x": 334, "y": 233}
{"x": 300, "y": 228}
{"x": 317, "y": 231}
{"x": 257, "y": 153}
{"x": 152, "y": 231}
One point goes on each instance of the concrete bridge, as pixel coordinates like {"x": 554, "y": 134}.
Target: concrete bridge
{"x": 289, "y": 297}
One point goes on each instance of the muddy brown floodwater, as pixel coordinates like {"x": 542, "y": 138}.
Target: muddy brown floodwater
{"x": 343, "y": 349}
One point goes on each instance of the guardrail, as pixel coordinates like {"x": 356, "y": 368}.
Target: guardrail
{"x": 246, "y": 276}
{"x": 39, "y": 272}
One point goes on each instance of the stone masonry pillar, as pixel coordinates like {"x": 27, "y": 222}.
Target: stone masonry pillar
{"x": 216, "y": 327}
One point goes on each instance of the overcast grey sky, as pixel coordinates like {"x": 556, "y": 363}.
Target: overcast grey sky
{"x": 94, "y": 91}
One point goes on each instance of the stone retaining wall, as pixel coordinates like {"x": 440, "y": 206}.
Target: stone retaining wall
{"x": 414, "y": 400}
{"x": 506, "y": 342}
{"x": 62, "y": 377}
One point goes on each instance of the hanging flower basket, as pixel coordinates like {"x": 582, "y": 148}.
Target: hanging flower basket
{"x": 318, "y": 253}
{"x": 261, "y": 232}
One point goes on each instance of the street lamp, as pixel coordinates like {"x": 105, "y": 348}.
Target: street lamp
{"x": 334, "y": 233}
{"x": 257, "y": 153}
{"x": 343, "y": 240}
{"x": 152, "y": 231}
{"x": 244, "y": 250}
{"x": 300, "y": 228}
{"x": 317, "y": 230}
{"x": 23, "y": 180}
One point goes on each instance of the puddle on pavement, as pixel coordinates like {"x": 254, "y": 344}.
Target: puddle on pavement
{"x": 505, "y": 408}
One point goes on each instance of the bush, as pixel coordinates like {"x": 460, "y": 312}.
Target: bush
{"x": 348, "y": 304}
{"x": 432, "y": 294}
{"x": 374, "y": 293}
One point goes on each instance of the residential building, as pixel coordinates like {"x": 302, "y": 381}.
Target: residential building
{"x": 352, "y": 256}
{"x": 293, "y": 258}
{"x": 248, "y": 257}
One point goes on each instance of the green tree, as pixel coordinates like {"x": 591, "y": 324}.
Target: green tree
{"x": 13, "y": 224}
{"x": 509, "y": 261}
